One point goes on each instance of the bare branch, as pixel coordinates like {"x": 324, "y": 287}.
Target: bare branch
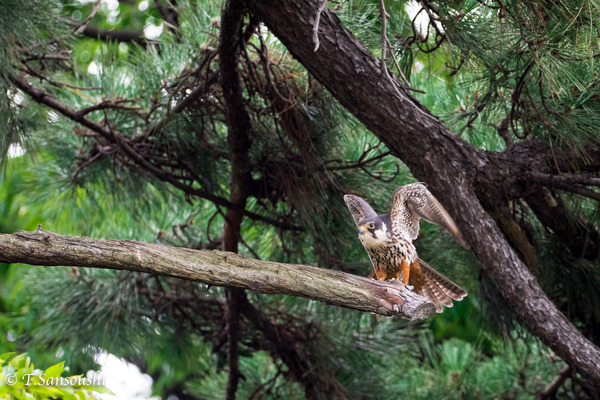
{"x": 384, "y": 16}
{"x": 385, "y": 43}
{"x": 549, "y": 391}
{"x": 168, "y": 12}
{"x": 115, "y": 35}
{"x": 109, "y": 104}
{"x": 216, "y": 268}
{"x": 63, "y": 55}
{"x": 406, "y": 82}
{"x": 571, "y": 183}
{"x": 572, "y": 179}
{"x": 28, "y": 69}
{"x": 360, "y": 163}
{"x": 316, "y": 25}
{"x": 85, "y": 23}
{"x": 114, "y": 136}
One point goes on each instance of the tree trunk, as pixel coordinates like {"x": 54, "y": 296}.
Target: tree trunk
{"x": 455, "y": 171}
{"x": 239, "y": 141}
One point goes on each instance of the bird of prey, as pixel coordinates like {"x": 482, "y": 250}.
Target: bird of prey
{"x": 388, "y": 241}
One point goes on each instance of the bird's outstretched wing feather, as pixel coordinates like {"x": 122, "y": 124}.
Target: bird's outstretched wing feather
{"x": 439, "y": 289}
{"x": 413, "y": 202}
{"x": 359, "y": 208}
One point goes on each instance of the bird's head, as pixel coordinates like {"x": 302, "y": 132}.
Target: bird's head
{"x": 372, "y": 232}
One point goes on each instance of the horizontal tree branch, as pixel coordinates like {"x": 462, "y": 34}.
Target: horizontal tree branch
{"x": 114, "y": 35}
{"x": 216, "y": 268}
{"x": 571, "y": 183}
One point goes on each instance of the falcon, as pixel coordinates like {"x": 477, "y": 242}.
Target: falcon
{"x": 388, "y": 241}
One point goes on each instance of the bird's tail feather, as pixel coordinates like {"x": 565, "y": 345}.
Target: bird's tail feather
{"x": 439, "y": 289}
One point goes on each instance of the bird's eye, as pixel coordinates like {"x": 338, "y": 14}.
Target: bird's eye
{"x": 371, "y": 225}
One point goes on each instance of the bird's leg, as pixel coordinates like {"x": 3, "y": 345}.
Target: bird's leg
{"x": 405, "y": 271}
{"x": 381, "y": 275}
{"x": 417, "y": 278}
{"x": 372, "y": 275}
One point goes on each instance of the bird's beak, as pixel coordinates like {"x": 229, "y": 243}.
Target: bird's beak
{"x": 361, "y": 231}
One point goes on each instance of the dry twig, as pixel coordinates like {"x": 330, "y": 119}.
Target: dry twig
{"x": 316, "y": 24}
{"x": 85, "y": 23}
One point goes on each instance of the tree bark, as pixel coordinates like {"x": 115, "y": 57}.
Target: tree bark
{"x": 462, "y": 177}
{"x": 238, "y": 141}
{"x": 216, "y": 268}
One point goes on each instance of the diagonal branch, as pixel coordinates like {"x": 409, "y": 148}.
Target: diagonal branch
{"x": 582, "y": 237}
{"x": 216, "y": 268}
{"x": 549, "y": 391}
{"x": 434, "y": 155}
{"x": 85, "y": 23}
{"x": 114, "y": 136}
{"x": 291, "y": 349}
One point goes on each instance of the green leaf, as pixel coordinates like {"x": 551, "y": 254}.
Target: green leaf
{"x": 99, "y": 389}
{"x": 22, "y": 372}
{"x": 19, "y": 361}
{"x": 4, "y": 357}
{"x": 55, "y": 370}
{"x": 48, "y": 391}
{"x": 82, "y": 395}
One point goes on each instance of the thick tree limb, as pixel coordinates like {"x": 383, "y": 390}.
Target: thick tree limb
{"x": 434, "y": 154}
{"x": 216, "y": 268}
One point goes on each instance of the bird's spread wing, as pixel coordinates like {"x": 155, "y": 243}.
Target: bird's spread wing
{"x": 359, "y": 208}
{"x": 413, "y": 202}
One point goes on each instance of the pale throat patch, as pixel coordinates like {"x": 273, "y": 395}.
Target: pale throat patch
{"x": 380, "y": 238}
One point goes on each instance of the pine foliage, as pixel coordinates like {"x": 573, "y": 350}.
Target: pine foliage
{"x": 481, "y": 63}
